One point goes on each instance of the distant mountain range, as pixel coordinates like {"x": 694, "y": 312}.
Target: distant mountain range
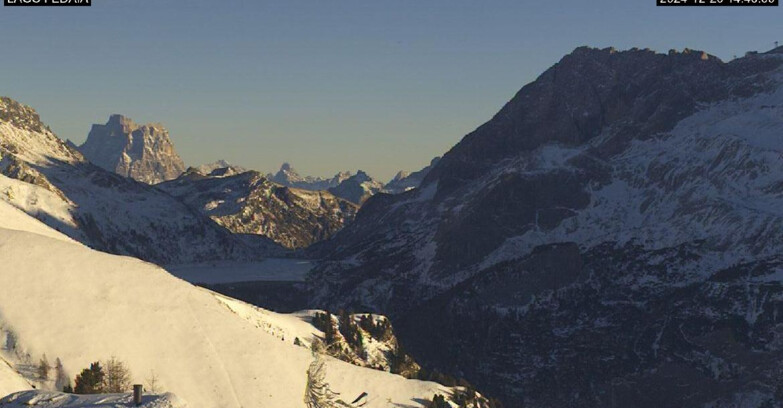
{"x": 248, "y": 203}
{"x": 289, "y": 177}
{"x": 268, "y": 214}
{"x": 355, "y": 188}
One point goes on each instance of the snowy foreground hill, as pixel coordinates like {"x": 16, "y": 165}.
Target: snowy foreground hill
{"x": 67, "y": 301}
{"x": 43, "y": 399}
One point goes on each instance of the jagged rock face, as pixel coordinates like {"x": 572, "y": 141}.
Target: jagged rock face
{"x": 364, "y": 340}
{"x": 49, "y": 179}
{"x": 20, "y": 116}
{"x": 357, "y": 188}
{"x": 142, "y": 152}
{"x": 405, "y": 181}
{"x": 610, "y": 235}
{"x": 248, "y": 203}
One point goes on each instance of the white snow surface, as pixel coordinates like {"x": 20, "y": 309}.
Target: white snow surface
{"x": 43, "y": 399}
{"x": 15, "y": 219}
{"x": 73, "y": 303}
{"x": 10, "y": 379}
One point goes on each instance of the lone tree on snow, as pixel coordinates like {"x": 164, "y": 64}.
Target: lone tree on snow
{"x": 318, "y": 394}
{"x": 118, "y": 378}
{"x": 153, "y": 383}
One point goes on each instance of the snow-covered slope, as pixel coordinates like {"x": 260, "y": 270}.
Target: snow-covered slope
{"x": 80, "y": 305}
{"x": 27, "y": 196}
{"x": 43, "y": 399}
{"x": 53, "y": 182}
{"x": 11, "y": 380}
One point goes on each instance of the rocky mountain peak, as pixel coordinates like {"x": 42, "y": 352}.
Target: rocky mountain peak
{"x": 20, "y": 115}
{"x": 142, "y": 152}
{"x": 289, "y": 177}
{"x": 404, "y": 181}
{"x": 357, "y": 188}
{"x": 121, "y": 121}
{"x": 362, "y": 176}
{"x": 590, "y": 90}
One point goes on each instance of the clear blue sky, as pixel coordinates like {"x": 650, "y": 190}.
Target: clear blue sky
{"x": 327, "y": 85}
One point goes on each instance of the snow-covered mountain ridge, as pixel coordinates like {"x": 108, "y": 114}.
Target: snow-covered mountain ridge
{"x": 289, "y": 177}
{"x": 248, "y": 203}
{"x": 614, "y": 185}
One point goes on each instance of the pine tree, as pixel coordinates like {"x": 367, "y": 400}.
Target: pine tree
{"x": 350, "y": 331}
{"x": 67, "y": 388}
{"x": 323, "y": 321}
{"x": 10, "y": 341}
{"x": 43, "y": 368}
{"x": 60, "y": 379}
{"x": 90, "y": 381}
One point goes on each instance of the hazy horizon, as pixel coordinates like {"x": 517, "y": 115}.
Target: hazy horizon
{"x": 380, "y": 87}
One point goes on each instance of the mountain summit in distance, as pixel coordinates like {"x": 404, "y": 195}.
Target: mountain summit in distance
{"x": 142, "y": 152}
{"x": 289, "y": 177}
{"x": 404, "y": 181}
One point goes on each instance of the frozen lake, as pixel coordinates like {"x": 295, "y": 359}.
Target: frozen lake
{"x": 270, "y": 269}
